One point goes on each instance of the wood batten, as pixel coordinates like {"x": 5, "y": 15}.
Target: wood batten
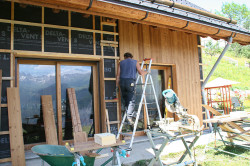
{"x": 31, "y": 54}
{"x": 133, "y": 15}
{"x": 15, "y": 127}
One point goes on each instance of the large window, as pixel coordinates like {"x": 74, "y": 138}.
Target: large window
{"x": 38, "y": 78}
{"x": 80, "y": 78}
{"x": 34, "y": 81}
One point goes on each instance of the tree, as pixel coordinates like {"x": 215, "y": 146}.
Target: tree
{"x": 212, "y": 49}
{"x": 242, "y": 14}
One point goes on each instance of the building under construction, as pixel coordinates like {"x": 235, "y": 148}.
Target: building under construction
{"x": 48, "y": 46}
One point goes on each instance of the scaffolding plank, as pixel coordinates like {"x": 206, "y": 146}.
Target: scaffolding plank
{"x": 15, "y": 127}
{"x": 49, "y": 120}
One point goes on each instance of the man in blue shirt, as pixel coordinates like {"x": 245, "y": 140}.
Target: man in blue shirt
{"x": 126, "y": 76}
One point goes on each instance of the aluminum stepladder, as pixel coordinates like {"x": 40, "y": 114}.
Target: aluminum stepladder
{"x": 139, "y": 82}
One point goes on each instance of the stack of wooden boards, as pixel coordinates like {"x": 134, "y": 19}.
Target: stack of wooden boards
{"x": 226, "y": 123}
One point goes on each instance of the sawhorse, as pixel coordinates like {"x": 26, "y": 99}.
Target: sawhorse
{"x": 91, "y": 145}
{"x": 168, "y": 138}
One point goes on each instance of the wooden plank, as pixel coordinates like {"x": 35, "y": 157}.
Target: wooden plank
{"x": 91, "y": 145}
{"x": 5, "y": 160}
{"x": 7, "y": 78}
{"x": 4, "y": 105}
{"x": 64, "y": 56}
{"x": 102, "y": 97}
{"x": 96, "y": 98}
{"x": 108, "y": 23}
{"x": 15, "y": 127}
{"x": 114, "y": 122}
{"x": 4, "y": 132}
{"x": 79, "y": 135}
{"x": 109, "y": 42}
{"x": 55, "y": 26}
{"x": 225, "y": 127}
{"x": 230, "y": 123}
{"x": 107, "y": 120}
{"x": 58, "y": 103}
{"x": 49, "y": 120}
{"x": 109, "y": 45}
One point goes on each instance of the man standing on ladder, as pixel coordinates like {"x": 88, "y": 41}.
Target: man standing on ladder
{"x": 126, "y": 76}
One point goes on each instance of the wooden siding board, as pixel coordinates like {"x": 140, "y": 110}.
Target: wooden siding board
{"x": 167, "y": 47}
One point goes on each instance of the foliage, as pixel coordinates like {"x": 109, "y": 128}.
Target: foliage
{"x": 212, "y": 49}
{"x": 241, "y": 13}
{"x": 239, "y": 50}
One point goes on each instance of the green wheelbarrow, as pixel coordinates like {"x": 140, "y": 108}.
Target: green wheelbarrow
{"x": 57, "y": 155}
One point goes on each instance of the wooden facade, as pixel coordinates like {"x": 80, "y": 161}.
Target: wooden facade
{"x": 167, "y": 47}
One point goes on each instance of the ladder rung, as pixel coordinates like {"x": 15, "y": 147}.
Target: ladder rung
{"x": 152, "y": 108}
{"x": 146, "y": 103}
{"x": 126, "y": 134}
{"x": 143, "y": 84}
{"x": 147, "y": 94}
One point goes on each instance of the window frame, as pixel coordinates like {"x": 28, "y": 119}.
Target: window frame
{"x": 58, "y": 63}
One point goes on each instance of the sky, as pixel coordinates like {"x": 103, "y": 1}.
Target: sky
{"x": 212, "y": 5}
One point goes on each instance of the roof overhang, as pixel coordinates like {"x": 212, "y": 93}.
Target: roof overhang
{"x": 145, "y": 12}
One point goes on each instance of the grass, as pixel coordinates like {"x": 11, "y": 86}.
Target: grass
{"x": 227, "y": 70}
{"x": 213, "y": 157}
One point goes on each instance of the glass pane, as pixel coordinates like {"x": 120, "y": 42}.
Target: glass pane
{"x": 158, "y": 80}
{"x": 34, "y": 81}
{"x": 80, "y": 78}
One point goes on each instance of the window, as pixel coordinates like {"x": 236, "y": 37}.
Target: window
{"x": 36, "y": 78}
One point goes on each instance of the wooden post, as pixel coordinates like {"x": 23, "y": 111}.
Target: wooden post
{"x": 49, "y": 120}
{"x": 15, "y": 127}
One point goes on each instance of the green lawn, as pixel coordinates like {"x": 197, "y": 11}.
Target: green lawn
{"x": 215, "y": 158}
{"x": 227, "y": 70}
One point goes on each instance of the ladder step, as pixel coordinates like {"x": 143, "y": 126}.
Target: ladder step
{"x": 126, "y": 134}
{"x": 143, "y": 84}
{"x": 146, "y": 103}
{"x": 152, "y": 109}
{"x": 147, "y": 94}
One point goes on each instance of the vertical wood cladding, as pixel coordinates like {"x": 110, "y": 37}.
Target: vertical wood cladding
{"x": 167, "y": 47}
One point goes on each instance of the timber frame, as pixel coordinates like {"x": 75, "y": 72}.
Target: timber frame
{"x": 128, "y": 13}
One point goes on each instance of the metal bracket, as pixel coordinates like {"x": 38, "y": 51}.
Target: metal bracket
{"x": 217, "y": 32}
{"x": 186, "y": 25}
{"x": 172, "y": 5}
{"x": 146, "y": 16}
{"x": 90, "y": 4}
{"x": 234, "y": 35}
